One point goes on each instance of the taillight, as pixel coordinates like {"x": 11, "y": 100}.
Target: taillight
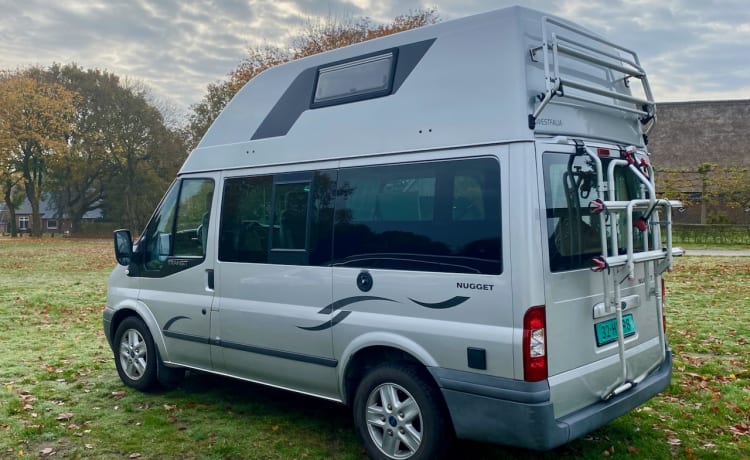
{"x": 535, "y": 344}
{"x": 664, "y": 305}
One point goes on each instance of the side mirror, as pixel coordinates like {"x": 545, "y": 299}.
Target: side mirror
{"x": 123, "y": 247}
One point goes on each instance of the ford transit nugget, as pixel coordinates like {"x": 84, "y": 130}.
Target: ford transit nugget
{"x": 453, "y": 230}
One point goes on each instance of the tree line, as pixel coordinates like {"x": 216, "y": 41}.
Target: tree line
{"x": 86, "y": 139}
{"x": 82, "y": 140}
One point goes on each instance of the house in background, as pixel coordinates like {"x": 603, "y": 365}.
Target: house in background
{"x": 51, "y": 222}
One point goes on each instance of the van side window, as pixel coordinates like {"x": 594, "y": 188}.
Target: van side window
{"x": 437, "y": 216}
{"x": 468, "y": 200}
{"x": 321, "y": 218}
{"x": 574, "y": 234}
{"x": 290, "y": 216}
{"x": 246, "y": 219}
{"x": 281, "y": 219}
{"x": 180, "y": 227}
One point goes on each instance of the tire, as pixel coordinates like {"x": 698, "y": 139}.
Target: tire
{"x": 399, "y": 414}
{"x": 135, "y": 354}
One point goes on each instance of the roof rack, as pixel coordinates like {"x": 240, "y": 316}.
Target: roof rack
{"x": 605, "y": 55}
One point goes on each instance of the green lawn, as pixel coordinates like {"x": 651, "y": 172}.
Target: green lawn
{"x": 60, "y": 395}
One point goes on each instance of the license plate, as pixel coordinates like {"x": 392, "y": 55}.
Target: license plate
{"x": 606, "y": 331}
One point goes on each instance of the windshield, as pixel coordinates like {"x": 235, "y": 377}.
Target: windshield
{"x": 574, "y": 234}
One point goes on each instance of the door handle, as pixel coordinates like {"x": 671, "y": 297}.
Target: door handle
{"x": 210, "y": 273}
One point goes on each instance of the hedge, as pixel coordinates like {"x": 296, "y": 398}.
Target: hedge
{"x": 711, "y": 234}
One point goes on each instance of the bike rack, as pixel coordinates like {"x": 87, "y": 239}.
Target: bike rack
{"x": 615, "y": 267}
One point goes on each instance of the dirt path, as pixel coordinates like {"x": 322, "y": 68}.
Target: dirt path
{"x": 718, "y": 252}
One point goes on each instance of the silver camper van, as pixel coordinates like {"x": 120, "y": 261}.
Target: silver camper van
{"x": 453, "y": 230}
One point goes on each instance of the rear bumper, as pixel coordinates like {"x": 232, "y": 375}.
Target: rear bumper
{"x": 517, "y": 413}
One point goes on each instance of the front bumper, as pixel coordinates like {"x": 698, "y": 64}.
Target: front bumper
{"x": 107, "y": 324}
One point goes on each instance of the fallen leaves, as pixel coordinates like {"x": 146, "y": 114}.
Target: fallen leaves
{"x": 64, "y": 417}
{"x": 27, "y": 399}
{"x": 740, "y": 429}
{"x": 726, "y": 378}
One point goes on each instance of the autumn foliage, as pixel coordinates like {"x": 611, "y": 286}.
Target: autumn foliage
{"x": 34, "y": 120}
{"x": 82, "y": 140}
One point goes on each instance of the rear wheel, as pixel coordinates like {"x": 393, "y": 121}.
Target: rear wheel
{"x": 399, "y": 414}
{"x": 135, "y": 354}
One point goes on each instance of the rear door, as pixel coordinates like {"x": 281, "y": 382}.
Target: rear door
{"x": 583, "y": 356}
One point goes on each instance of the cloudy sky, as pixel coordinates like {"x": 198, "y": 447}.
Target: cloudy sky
{"x": 692, "y": 49}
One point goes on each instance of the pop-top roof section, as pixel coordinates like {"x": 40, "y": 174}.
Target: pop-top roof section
{"x": 581, "y": 67}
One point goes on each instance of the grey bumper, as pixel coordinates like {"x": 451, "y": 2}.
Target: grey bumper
{"x": 517, "y": 413}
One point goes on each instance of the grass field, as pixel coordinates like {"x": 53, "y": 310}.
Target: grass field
{"x": 60, "y": 395}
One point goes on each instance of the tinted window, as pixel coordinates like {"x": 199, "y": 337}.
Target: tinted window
{"x": 436, "y": 216}
{"x": 285, "y": 219}
{"x": 354, "y": 80}
{"x": 290, "y": 215}
{"x": 570, "y": 186}
{"x": 246, "y": 219}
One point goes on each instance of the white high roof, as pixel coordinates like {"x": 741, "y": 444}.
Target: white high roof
{"x": 472, "y": 83}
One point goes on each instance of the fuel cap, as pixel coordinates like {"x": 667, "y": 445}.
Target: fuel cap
{"x": 364, "y": 281}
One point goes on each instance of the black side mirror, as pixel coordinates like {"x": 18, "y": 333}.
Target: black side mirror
{"x": 123, "y": 247}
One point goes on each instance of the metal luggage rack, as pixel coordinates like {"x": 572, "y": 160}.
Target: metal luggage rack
{"x": 612, "y": 58}
{"x": 616, "y": 267}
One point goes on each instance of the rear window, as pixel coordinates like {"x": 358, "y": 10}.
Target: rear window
{"x": 574, "y": 234}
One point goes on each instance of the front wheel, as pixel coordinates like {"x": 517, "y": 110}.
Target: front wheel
{"x": 399, "y": 414}
{"x": 135, "y": 354}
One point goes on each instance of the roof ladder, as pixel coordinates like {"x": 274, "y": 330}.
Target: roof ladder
{"x": 615, "y": 267}
{"x": 594, "y": 50}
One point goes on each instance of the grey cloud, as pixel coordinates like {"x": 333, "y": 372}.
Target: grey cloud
{"x": 691, "y": 48}
{"x": 334, "y": 8}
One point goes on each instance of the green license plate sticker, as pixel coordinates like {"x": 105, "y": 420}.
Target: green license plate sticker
{"x": 606, "y": 331}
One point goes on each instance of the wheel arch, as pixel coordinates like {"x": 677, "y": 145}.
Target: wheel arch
{"x": 371, "y": 350}
{"x": 139, "y": 310}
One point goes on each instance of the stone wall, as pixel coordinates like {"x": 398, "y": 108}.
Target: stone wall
{"x": 690, "y": 133}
